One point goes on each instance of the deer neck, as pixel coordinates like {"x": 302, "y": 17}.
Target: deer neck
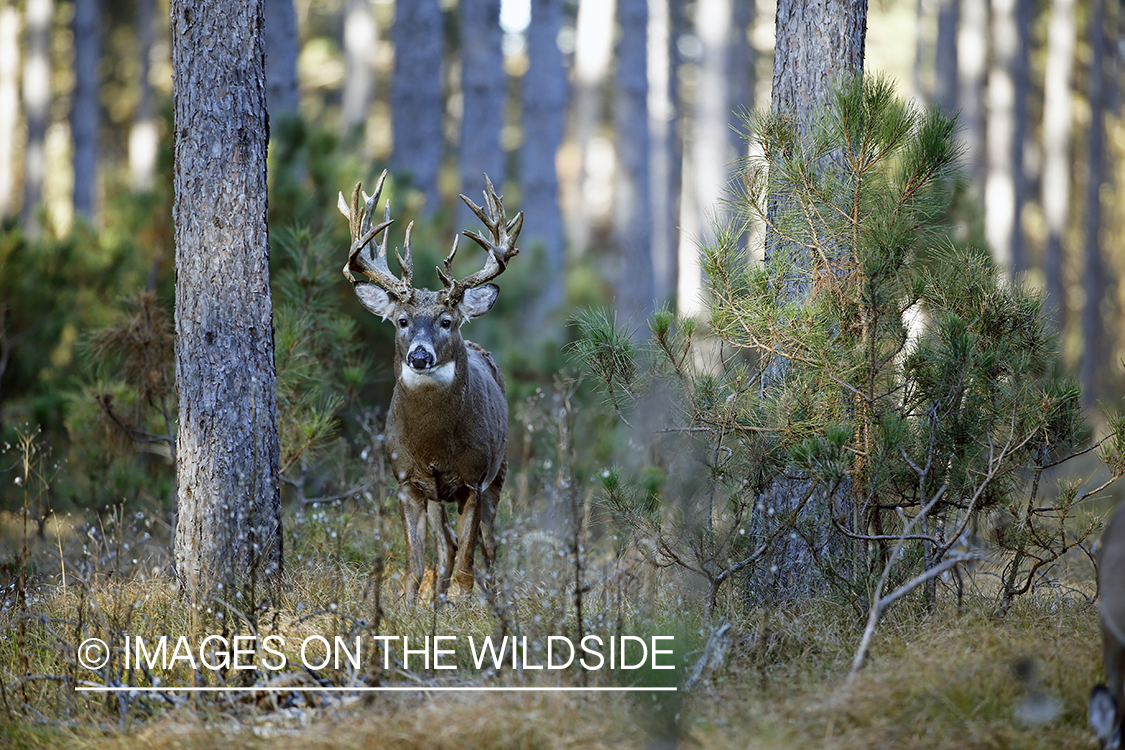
{"x": 439, "y": 377}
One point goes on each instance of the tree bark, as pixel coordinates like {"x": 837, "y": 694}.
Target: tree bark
{"x": 816, "y": 43}
{"x": 9, "y": 102}
{"x": 1055, "y": 182}
{"x": 229, "y": 527}
{"x": 85, "y": 109}
{"x": 417, "y": 106}
{"x": 484, "y": 89}
{"x": 632, "y": 207}
{"x": 544, "y": 96}
{"x": 36, "y": 107}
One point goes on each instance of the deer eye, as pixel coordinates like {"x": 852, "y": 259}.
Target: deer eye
{"x": 447, "y": 323}
{"x": 403, "y": 322}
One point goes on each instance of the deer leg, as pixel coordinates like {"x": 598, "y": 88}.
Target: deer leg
{"x": 414, "y": 520}
{"x": 490, "y": 501}
{"x": 446, "y": 547}
{"x": 467, "y": 527}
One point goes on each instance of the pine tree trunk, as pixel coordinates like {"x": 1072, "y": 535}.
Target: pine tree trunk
{"x": 592, "y": 55}
{"x": 484, "y": 89}
{"x": 544, "y": 96}
{"x": 144, "y": 137}
{"x": 84, "y": 113}
{"x": 741, "y": 78}
{"x": 9, "y": 102}
{"x": 815, "y": 43}
{"x": 281, "y": 44}
{"x": 1095, "y": 283}
{"x": 1007, "y": 110}
{"x": 632, "y": 207}
{"x": 417, "y": 105}
{"x": 710, "y": 155}
{"x": 667, "y": 147}
{"x": 945, "y": 56}
{"x": 36, "y": 107}
{"x": 972, "y": 53}
{"x": 229, "y": 526}
{"x": 360, "y": 38}
{"x": 1055, "y": 182}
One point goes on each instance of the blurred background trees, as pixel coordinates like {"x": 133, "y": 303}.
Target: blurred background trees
{"x": 609, "y": 122}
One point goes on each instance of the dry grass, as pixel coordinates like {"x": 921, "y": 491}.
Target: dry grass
{"x": 934, "y": 680}
{"x": 938, "y": 681}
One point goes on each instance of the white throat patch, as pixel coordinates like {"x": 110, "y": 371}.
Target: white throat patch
{"x": 442, "y": 376}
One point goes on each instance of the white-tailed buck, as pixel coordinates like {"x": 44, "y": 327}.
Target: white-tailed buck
{"x": 447, "y": 426}
{"x": 1106, "y": 700}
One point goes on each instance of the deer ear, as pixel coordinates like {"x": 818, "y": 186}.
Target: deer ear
{"x": 478, "y": 300}
{"x": 376, "y": 300}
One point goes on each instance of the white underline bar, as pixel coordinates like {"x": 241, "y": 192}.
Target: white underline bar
{"x": 366, "y": 689}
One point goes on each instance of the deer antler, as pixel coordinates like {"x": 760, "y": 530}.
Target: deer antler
{"x": 500, "y": 246}
{"x": 374, "y": 266}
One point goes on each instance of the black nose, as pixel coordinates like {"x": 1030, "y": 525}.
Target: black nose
{"x": 420, "y": 359}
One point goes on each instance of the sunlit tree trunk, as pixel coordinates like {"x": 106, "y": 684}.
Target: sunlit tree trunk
{"x": 667, "y": 144}
{"x": 1007, "y": 111}
{"x": 144, "y": 134}
{"x": 972, "y": 57}
{"x": 709, "y": 146}
{"x": 1095, "y": 342}
{"x": 229, "y": 525}
{"x": 9, "y": 102}
{"x": 85, "y": 110}
{"x": 281, "y": 44}
{"x": 361, "y": 35}
{"x": 417, "y": 106}
{"x": 593, "y": 51}
{"x": 544, "y": 98}
{"x": 632, "y": 206}
{"x": 1057, "y": 150}
{"x": 36, "y": 107}
{"x": 484, "y": 89}
{"x": 922, "y": 51}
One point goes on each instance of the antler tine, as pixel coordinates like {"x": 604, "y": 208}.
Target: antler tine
{"x": 446, "y": 276}
{"x": 372, "y": 265}
{"x": 500, "y": 245}
{"x": 407, "y": 265}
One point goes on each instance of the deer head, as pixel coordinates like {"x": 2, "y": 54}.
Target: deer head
{"x": 428, "y": 323}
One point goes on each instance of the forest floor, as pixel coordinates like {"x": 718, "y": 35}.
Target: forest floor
{"x": 945, "y": 679}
